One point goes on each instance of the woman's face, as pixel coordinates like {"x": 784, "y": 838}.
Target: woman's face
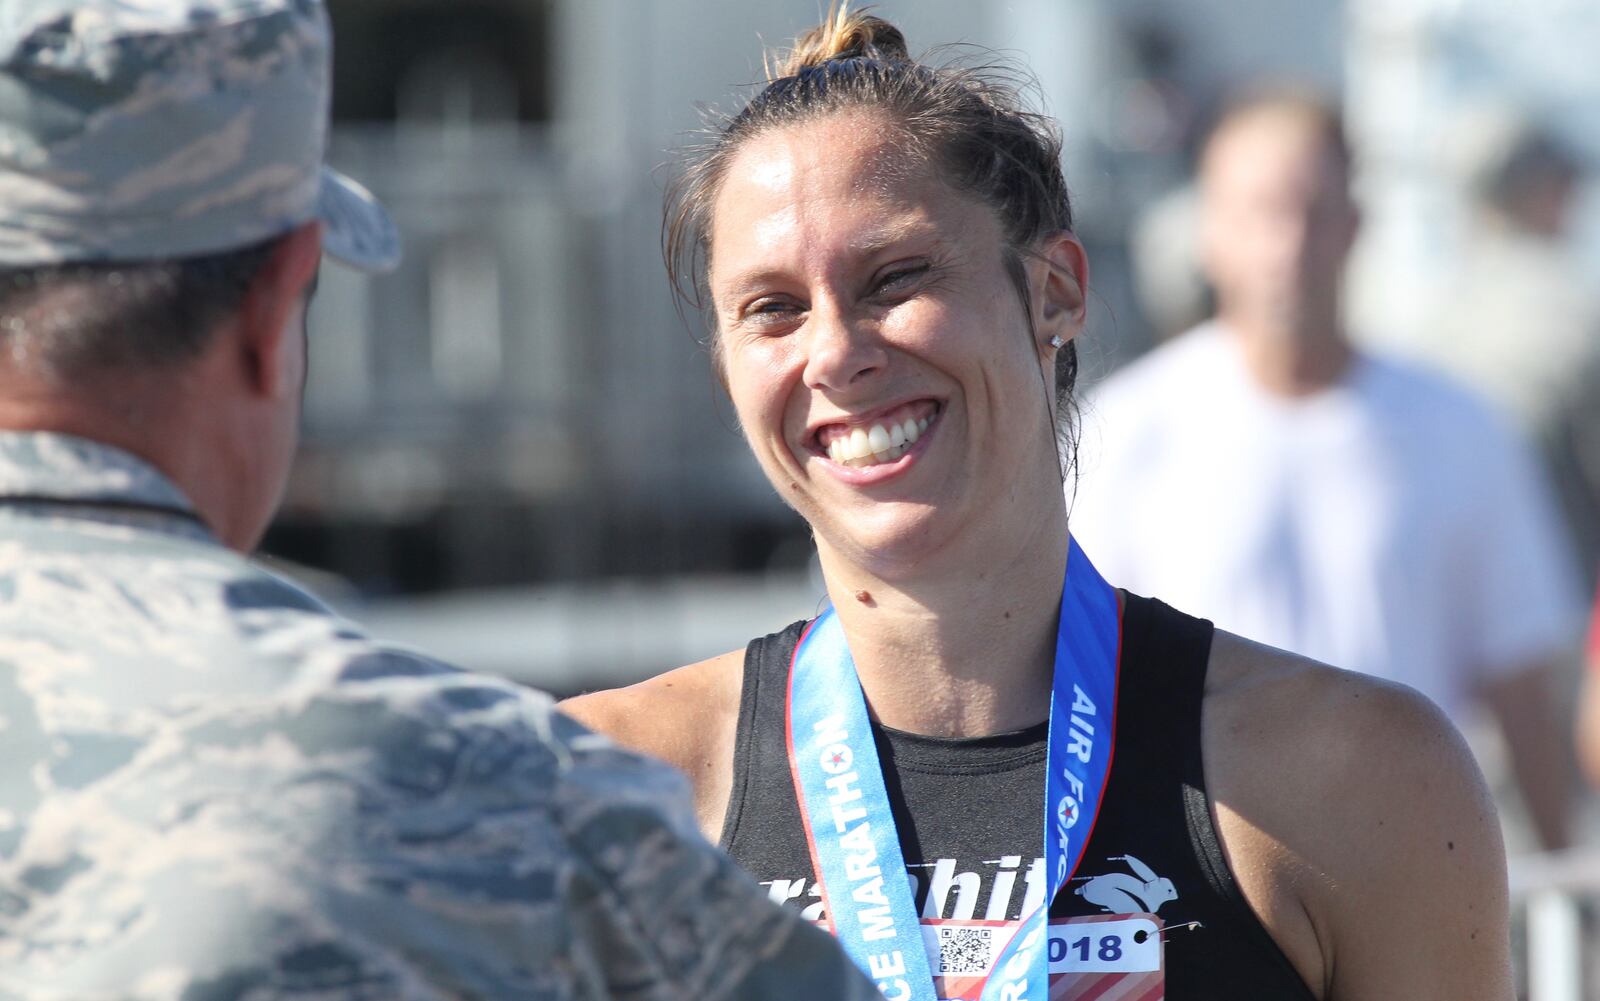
{"x": 875, "y": 349}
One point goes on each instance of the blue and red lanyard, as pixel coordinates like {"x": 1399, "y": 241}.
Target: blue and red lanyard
{"x": 855, "y": 848}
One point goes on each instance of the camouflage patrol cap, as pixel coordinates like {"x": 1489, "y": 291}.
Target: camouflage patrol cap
{"x": 145, "y": 129}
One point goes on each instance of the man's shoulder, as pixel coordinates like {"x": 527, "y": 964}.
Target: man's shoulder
{"x": 169, "y": 604}
{"x": 1163, "y": 392}
{"x": 193, "y": 647}
{"x": 1137, "y": 420}
{"x": 1428, "y": 397}
{"x": 335, "y": 807}
{"x": 1447, "y": 438}
{"x": 1179, "y": 363}
{"x": 379, "y": 807}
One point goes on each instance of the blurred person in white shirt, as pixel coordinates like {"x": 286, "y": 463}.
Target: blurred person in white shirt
{"x": 1263, "y": 472}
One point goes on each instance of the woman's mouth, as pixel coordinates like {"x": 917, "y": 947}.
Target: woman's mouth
{"x": 885, "y": 438}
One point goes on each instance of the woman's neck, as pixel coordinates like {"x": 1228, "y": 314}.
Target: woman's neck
{"x": 965, "y": 649}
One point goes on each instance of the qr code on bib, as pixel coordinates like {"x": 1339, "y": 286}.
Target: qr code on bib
{"x": 964, "y": 950}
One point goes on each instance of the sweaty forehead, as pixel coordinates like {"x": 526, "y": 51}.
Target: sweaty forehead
{"x": 848, "y": 178}
{"x": 863, "y": 151}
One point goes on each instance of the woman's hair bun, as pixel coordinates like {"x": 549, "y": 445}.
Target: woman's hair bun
{"x": 843, "y": 35}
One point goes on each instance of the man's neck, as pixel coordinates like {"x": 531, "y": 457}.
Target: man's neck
{"x": 963, "y": 651}
{"x": 143, "y": 417}
{"x": 1292, "y": 363}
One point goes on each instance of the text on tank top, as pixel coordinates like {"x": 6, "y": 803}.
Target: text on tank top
{"x": 970, "y": 818}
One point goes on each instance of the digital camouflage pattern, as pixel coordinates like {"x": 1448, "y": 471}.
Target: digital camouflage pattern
{"x": 133, "y": 130}
{"x": 211, "y": 787}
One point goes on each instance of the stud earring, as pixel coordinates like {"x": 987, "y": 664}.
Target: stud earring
{"x": 1057, "y": 341}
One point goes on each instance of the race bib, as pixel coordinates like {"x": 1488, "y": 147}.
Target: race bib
{"x": 1115, "y": 957}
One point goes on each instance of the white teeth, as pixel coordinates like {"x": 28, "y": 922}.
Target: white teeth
{"x": 879, "y": 443}
{"x": 859, "y": 444}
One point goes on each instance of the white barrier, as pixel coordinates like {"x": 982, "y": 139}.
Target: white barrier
{"x": 1549, "y": 887}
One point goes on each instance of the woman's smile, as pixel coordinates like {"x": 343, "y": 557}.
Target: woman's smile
{"x": 876, "y": 445}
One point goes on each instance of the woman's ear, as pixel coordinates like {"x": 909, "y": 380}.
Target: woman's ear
{"x": 1058, "y": 276}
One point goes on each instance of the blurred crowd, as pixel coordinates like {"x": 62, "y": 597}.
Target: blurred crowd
{"x": 1421, "y": 505}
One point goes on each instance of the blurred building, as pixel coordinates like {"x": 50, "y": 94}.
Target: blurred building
{"x": 522, "y": 402}
{"x": 1416, "y": 69}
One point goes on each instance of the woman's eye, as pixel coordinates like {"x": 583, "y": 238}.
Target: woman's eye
{"x": 768, "y": 311}
{"x": 899, "y": 280}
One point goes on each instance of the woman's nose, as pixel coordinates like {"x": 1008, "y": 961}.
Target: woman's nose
{"x": 841, "y": 350}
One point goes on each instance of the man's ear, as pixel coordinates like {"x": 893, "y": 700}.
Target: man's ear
{"x": 272, "y": 353}
{"x": 1058, "y": 277}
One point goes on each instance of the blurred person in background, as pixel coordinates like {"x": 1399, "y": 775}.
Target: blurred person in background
{"x": 1262, "y": 471}
{"x": 884, "y": 250}
{"x": 210, "y": 786}
{"x": 1520, "y": 320}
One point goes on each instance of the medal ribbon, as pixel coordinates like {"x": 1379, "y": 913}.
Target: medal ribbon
{"x": 855, "y": 847}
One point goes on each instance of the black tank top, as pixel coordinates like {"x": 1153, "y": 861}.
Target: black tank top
{"x": 970, "y": 817}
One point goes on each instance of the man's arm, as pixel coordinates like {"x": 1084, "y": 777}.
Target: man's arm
{"x": 1588, "y": 735}
{"x": 677, "y": 909}
{"x": 1523, "y": 702}
{"x": 574, "y": 867}
{"x": 1518, "y": 613}
{"x": 395, "y": 828}
{"x": 1589, "y": 723}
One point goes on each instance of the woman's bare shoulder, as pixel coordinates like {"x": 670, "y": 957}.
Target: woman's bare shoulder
{"x": 1282, "y": 728}
{"x": 1322, "y": 719}
{"x": 671, "y": 715}
{"x": 1356, "y": 822}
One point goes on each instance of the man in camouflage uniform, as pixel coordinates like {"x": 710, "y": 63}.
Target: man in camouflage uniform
{"x": 210, "y": 786}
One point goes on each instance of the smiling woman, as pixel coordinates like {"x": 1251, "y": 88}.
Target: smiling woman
{"x": 883, "y": 249}
{"x": 849, "y": 288}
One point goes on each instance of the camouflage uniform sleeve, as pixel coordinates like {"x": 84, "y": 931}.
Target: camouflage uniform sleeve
{"x": 566, "y": 865}
{"x": 388, "y": 827}
{"x": 687, "y": 915}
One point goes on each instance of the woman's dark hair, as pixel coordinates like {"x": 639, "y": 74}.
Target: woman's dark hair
{"x": 969, "y": 121}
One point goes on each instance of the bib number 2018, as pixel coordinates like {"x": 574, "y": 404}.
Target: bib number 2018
{"x": 1109, "y": 952}
{"x": 1127, "y": 945}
